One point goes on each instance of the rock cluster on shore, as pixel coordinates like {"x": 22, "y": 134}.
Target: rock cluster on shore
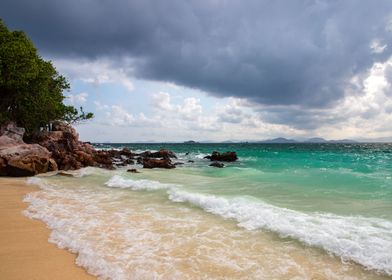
{"x": 60, "y": 149}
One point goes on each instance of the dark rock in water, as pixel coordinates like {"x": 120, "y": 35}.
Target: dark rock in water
{"x": 157, "y": 163}
{"x": 103, "y": 159}
{"x": 133, "y": 170}
{"x": 178, "y": 163}
{"x": 151, "y": 159}
{"x": 191, "y": 161}
{"x": 227, "y": 156}
{"x": 145, "y": 154}
{"x": 129, "y": 161}
{"x": 217, "y": 164}
{"x": 163, "y": 153}
{"x": 122, "y": 161}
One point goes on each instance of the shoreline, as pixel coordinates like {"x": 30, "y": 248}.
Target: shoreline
{"x": 25, "y": 252}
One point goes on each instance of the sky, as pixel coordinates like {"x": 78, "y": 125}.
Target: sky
{"x": 217, "y": 70}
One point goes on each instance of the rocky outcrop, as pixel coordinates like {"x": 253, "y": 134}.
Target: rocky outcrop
{"x": 227, "y": 156}
{"x": 68, "y": 152}
{"x": 166, "y": 154}
{"x": 159, "y": 159}
{"x": 60, "y": 149}
{"x": 20, "y": 159}
{"x": 157, "y": 163}
{"x": 162, "y": 153}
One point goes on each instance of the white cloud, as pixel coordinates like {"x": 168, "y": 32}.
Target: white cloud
{"x": 77, "y": 99}
{"x": 162, "y": 101}
{"x": 189, "y": 109}
{"x": 100, "y": 106}
{"x": 377, "y": 47}
{"x": 118, "y": 116}
{"x": 96, "y": 72}
{"x": 367, "y": 113}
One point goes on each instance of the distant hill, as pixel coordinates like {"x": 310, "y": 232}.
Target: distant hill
{"x": 279, "y": 140}
{"x": 316, "y": 140}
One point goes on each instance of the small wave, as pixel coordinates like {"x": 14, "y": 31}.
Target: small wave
{"x": 249, "y": 159}
{"x": 367, "y": 241}
{"x": 88, "y": 171}
{"x": 148, "y": 185}
{"x": 199, "y": 155}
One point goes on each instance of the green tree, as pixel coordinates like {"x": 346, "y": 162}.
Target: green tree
{"x": 31, "y": 90}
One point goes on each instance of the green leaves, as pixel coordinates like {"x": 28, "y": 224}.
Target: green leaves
{"x": 72, "y": 115}
{"x": 31, "y": 90}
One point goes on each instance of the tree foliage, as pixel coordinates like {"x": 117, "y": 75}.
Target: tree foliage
{"x": 31, "y": 90}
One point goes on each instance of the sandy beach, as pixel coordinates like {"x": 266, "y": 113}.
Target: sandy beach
{"x": 25, "y": 252}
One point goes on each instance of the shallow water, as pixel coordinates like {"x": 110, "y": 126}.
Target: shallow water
{"x": 280, "y": 212}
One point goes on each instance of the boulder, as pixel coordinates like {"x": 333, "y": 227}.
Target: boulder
{"x": 227, "y": 156}
{"x": 12, "y": 131}
{"x": 157, "y": 163}
{"x": 18, "y": 159}
{"x": 6, "y": 141}
{"x": 217, "y": 164}
{"x": 163, "y": 153}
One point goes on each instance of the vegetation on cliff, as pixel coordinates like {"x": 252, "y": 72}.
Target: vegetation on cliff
{"x": 31, "y": 90}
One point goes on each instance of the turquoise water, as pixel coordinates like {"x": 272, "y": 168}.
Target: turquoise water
{"x": 282, "y": 211}
{"x": 349, "y": 179}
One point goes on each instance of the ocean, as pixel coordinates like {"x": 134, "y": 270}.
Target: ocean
{"x": 282, "y": 211}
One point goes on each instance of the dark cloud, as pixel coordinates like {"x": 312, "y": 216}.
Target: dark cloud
{"x": 299, "y": 118}
{"x": 299, "y": 52}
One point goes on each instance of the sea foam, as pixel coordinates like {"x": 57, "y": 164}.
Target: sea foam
{"x": 147, "y": 185}
{"x": 367, "y": 241}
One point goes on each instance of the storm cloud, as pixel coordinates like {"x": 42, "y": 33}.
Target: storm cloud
{"x": 300, "y": 53}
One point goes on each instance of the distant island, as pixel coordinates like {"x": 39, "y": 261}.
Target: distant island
{"x": 190, "y": 142}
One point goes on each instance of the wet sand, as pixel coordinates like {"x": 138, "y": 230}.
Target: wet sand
{"x": 25, "y": 252}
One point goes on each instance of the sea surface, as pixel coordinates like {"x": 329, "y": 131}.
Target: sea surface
{"x": 282, "y": 211}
